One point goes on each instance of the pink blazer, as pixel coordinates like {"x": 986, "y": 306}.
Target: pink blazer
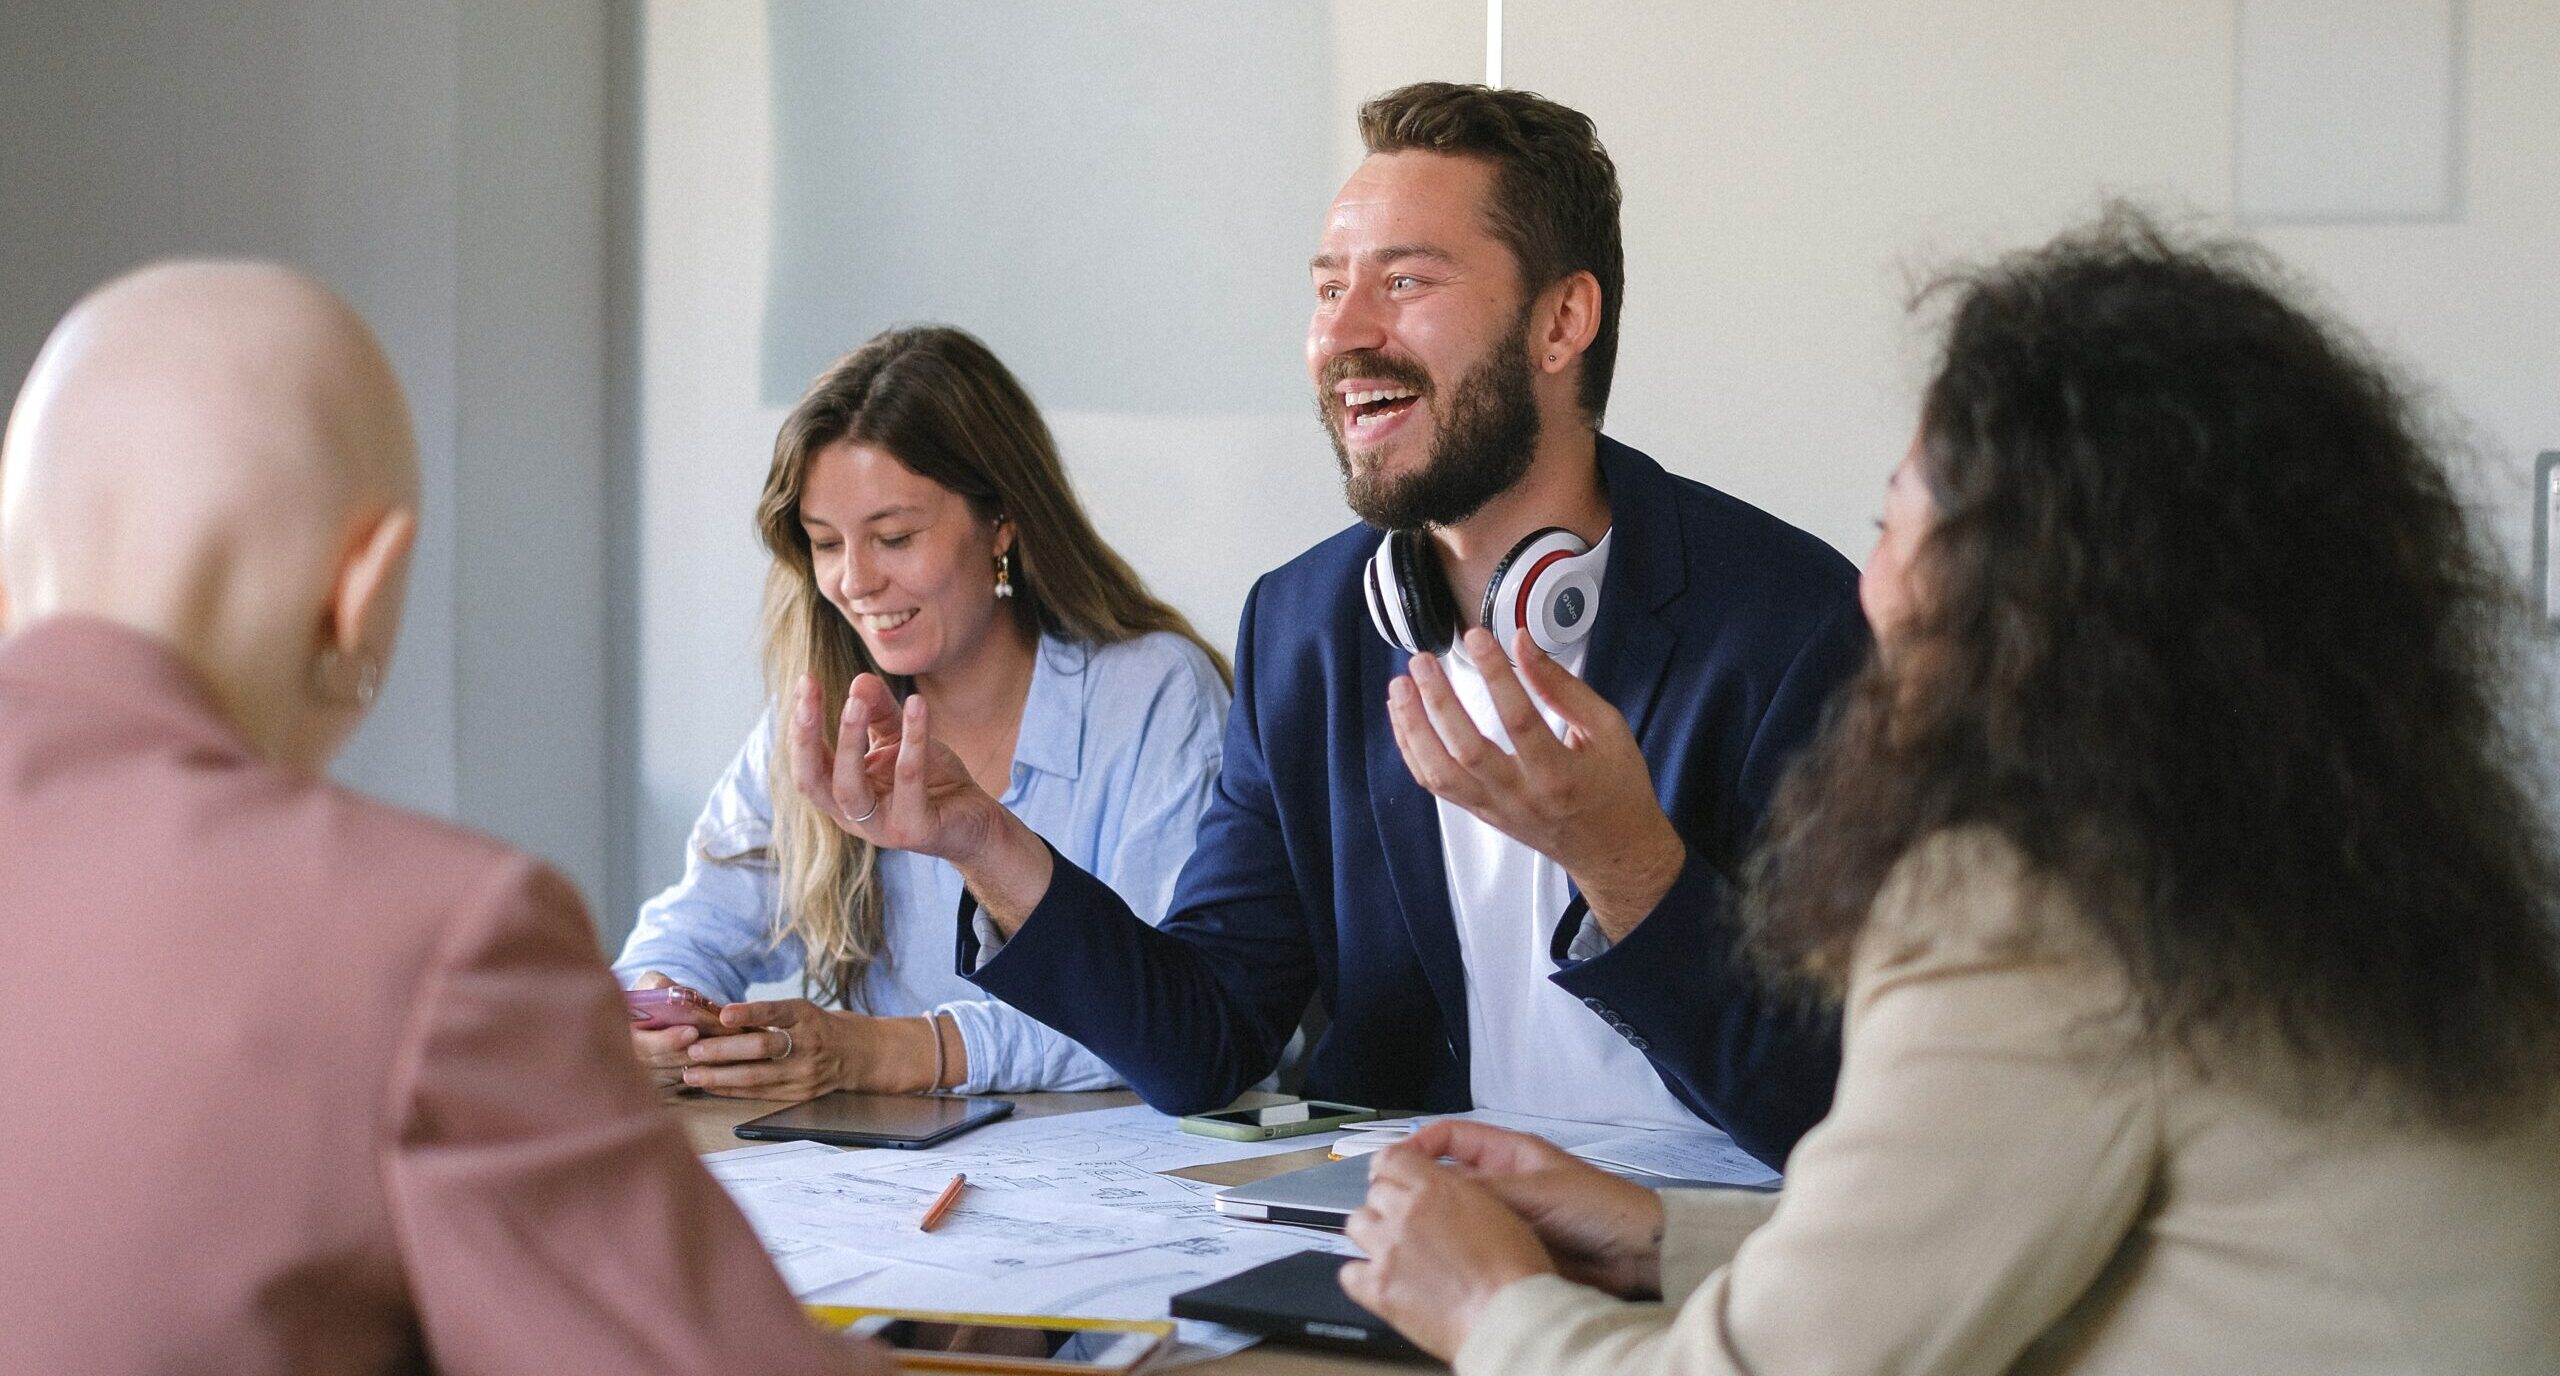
{"x": 305, "y": 1083}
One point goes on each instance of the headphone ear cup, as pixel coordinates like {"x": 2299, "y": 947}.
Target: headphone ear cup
{"x": 1429, "y": 609}
{"x": 1561, "y": 612}
{"x": 1543, "y": 586}
{"x": 1386, "y": 612}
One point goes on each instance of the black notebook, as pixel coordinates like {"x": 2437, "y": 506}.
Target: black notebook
{"x": 1296, "y": 1299}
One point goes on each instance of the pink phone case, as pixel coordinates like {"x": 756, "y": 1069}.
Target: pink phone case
{"x": 671, "y": 1006}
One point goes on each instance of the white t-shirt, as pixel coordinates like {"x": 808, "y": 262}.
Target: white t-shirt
{"x": 1532, "y": 1047}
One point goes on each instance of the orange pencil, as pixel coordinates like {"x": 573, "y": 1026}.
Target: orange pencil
{"x": 942, "y": 1203}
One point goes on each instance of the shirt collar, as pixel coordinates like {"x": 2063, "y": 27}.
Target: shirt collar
{"x": 1051, "y": 738}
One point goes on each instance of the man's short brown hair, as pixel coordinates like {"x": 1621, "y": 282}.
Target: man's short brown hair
{"x": 1555, "y": 192}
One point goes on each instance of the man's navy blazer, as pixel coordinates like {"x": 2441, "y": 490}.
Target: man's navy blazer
{"x": 1722, "y": 633}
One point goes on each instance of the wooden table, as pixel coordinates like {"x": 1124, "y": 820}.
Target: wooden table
{"x": 707, "y": 1122}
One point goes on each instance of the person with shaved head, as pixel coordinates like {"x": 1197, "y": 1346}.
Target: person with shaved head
{"x": 316, "y": 1084}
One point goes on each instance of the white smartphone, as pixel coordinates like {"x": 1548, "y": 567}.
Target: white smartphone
{"x": 1010, "y": 1344}
{"x": 1296, "y": 1118}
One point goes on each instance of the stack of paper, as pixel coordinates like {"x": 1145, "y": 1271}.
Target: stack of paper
{"x": 1063, "y": 1215}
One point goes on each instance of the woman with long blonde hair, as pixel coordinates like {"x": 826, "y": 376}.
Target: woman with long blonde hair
{"x": 923, "y": 532}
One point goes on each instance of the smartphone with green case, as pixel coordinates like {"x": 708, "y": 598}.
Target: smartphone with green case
{"x": 1296, "y": 1118}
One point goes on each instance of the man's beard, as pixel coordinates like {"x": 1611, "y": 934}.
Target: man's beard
{"x": 1482, "y": 445}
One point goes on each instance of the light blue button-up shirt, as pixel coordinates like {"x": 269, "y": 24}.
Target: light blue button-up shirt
{"x": 1114, "y": 763}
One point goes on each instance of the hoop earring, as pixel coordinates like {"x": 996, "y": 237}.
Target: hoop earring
{"x": 1004, "y": 574}
{"x": 328, "y": 673}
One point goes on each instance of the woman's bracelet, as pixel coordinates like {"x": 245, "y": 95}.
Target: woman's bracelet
{"x": 933, "y": 1029}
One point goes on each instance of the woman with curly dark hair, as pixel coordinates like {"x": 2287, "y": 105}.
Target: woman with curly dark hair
{"x": 2177, "y": 866}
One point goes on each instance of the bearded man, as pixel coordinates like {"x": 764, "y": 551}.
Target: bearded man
{"x": 1413, "y": 827}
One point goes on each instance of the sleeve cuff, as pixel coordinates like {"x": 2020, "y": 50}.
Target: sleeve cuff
{"x": 1588, "y": 941}
{"x": 1700, "y": 888}
{"x": 1702, "y": 1229}
{"x": 977, "y": 1042}
{"x": 1680, "y": 917}
{"x": 980, "y": 941}
{"x": 1565, "y": 945}
{"x": 708, "y": 986}
{"x": 1548, "y": 1326}
{"x": 990, "y": 939}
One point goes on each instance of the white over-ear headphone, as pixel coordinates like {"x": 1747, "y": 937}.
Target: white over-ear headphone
{"x": 1546, "y": 585}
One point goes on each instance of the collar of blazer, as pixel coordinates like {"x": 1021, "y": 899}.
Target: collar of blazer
{"x": 1631, "y": 641}
{"x": 109, "y": 667}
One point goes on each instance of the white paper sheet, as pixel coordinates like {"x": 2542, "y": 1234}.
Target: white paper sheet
{"x": 1701, "y": 1153}
{"x": 1102, "y": 1184}
{"x": 987, "y": 1233}
{"x": 1134, "y": 1136}
{"x": 812, "y": 1266}
{"x": 1364, "y": 1138}
{"x": 766, "y": 1160}
{"x": 1706, "y": 1155}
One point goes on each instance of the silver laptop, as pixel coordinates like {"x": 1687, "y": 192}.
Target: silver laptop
{"x": 1322, "y": 1196}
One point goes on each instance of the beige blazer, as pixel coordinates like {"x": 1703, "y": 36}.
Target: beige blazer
{"x": 304, "y": 1083}
{"x": 2005, "y": 1185}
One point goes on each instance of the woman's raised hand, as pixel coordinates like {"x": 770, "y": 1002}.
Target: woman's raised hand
{"x": 904, "y": 790}
{"x": 900, "y": 789}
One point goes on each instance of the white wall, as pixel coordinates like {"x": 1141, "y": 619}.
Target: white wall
{"x": 1790, "y": 169}
{"x": 442, "y": 165}
{"x": 1787, "y": 167}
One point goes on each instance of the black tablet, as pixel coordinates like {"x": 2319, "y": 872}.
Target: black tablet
{"x": 1297, "y": 1299}
{"x": 847, "y": 1119}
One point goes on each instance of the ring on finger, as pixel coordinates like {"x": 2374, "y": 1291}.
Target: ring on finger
{"x": 788, "y": 1044}
{"x": 875, "y": 811}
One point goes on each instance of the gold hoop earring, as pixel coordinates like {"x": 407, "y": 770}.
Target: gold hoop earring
{"x": 329, "y": 678}
{"x": 1004, "y": 574}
